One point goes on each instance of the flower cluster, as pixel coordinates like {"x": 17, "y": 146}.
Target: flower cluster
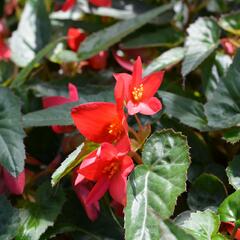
{"x": 107, "y": 167}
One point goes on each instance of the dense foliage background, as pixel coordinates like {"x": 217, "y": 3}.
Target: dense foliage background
{"x": 186, "y": 180}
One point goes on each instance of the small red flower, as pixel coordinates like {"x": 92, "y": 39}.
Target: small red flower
{"x": 99, "y": 61}
{"x": 5, "y": 52}
{"x": 101, "y": 3}
{"x": 109, "y": 169}
{"x": 10, "y": 7}
{"x": 137, "y": 93}
{"x": 82, "y": 190}
{"x": 68, "y": 4}
{"x": 59, "y": 100}
{"x": 228, "y": 46}
{"x": 75, "y": 38}
{"x": 228, "y": 227}
{"x": 8, "y": 183}
{"x": 102, "y": 122}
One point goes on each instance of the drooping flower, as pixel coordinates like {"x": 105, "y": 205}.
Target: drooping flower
{"x": 75, "y": 37}
{"x": 8, "y": 183}
{"x": 5, "y": 52}
{"x": 109, "y": 169}
{"x": 68, "y": 4}
{"x": 137, "y": 92}
{"x": 228, "y": 227}
{"x": 102, "y": 122}
{"x": 59, "y": 100}
{"x": 82, "y": 190}
{"x": 99, "y": 61}
{"x": 101, "y": 3}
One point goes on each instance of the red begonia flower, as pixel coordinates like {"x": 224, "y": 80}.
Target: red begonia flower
{"x": 101, "y": 3}
{"x": 99, "y": 61}
{"x": 5, "y": 52}
{"x": 228, "y": 46}
{"x": 13, "y": 185}
{"x": 102, "y": 122}
{"x": 59, "y": 100}
{"x": 68, "y": 4}
{"x": 137, "y": 93}
{"x": 10, "y": 7}
{"x": 75, "y": 37}
{"x": 82, "y": 190}
{"x": 109, "y": 169}
{"x": 228, "y": 227}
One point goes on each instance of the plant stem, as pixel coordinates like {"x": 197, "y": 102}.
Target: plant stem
{"x": 139, "y": 123}
{"x": 134, "y": 133}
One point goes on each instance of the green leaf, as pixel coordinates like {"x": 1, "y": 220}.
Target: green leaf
{"x": 233, "y": 172}
{"x": 206, "y": 191}
{"x": 165, "y": 60}
{"x": 187, "y": 111}
{"x": 37, "y": 217}
{"x": 21, "y": 78}
{"x": 231, "y": 22}
{"x": 223, "y": 110}
{"x": 202, "y": 225}
{"x": 229, "y": 210}
{"x": 165, "y": 37}
{"x": 9, "y": 219}
{"x": 105, "y": 38}
{"x": 32, "y": 34}
{"x": 72, "y": 161}
{"x": 213, "y": 69}
{"x": 153, "y": 187}
{"x": 232, "y": 135}
{"x": 12, "y": 152}
{"x": 202, "y": 40}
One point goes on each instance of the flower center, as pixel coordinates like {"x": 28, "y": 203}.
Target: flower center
{"x": 111, "y": 169}
{"x": 115, "y": 129}
{"x": 137, "y": 93}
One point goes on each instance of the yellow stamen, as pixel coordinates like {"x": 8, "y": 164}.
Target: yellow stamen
{"x": 137, "y": 93}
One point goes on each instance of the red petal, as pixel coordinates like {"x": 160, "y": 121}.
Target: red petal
{"x": 127, "y": 166}
{"x": 5, "y": 52}
{"x": 123, "y": 62}
{"x": 15, "y": 185}
{"x": 93, "y": 119}
{"x": 123, "y": 145}
{"x": 73, "y": 92}
{"x": 98, "y": 190}
{"x": 229, "y": 227}
{"x": 82, "y": 190}
{"x": 121, "y": 90}
{"x": 99, "y": 61}
{"x": 68, "y": 4}
{"x": 75, "y": 38}
{"x": 150, "y": 107}
{"x": 101, "y": 3}
{"x": 137, "y": 73}
{"x": 151, "y": 84}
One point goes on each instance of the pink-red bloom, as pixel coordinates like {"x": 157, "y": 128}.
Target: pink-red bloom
{"x": 8, "y": 183}
{"x": 68, "y": 4}
{"x": 228, "y": 46}
{"x": 228, "y": 227}
{"x": 137, "y": 93}
{"x": 82, "y": 190}
{"x": 5, "y": 52}
{"x": 101, "y": 3}
{"x": 102, "y": 122}
{"x": 75, "y": 37}
{"x": 99, "y": 61}
{"x": 109, "y": 169}
{"x": 59, "y": 100}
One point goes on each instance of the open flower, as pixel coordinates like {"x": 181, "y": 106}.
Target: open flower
{"x": 68, "y": 4}
{"x": 109, "y": 169}
{"x": 59, "y": 100}
{"x": 8, "y": 183}
{"x": 137, "y": 93}
{"x": 101, "y": 3}
{"x": 82, "y": 190}
{"x": 102, "y": 122}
